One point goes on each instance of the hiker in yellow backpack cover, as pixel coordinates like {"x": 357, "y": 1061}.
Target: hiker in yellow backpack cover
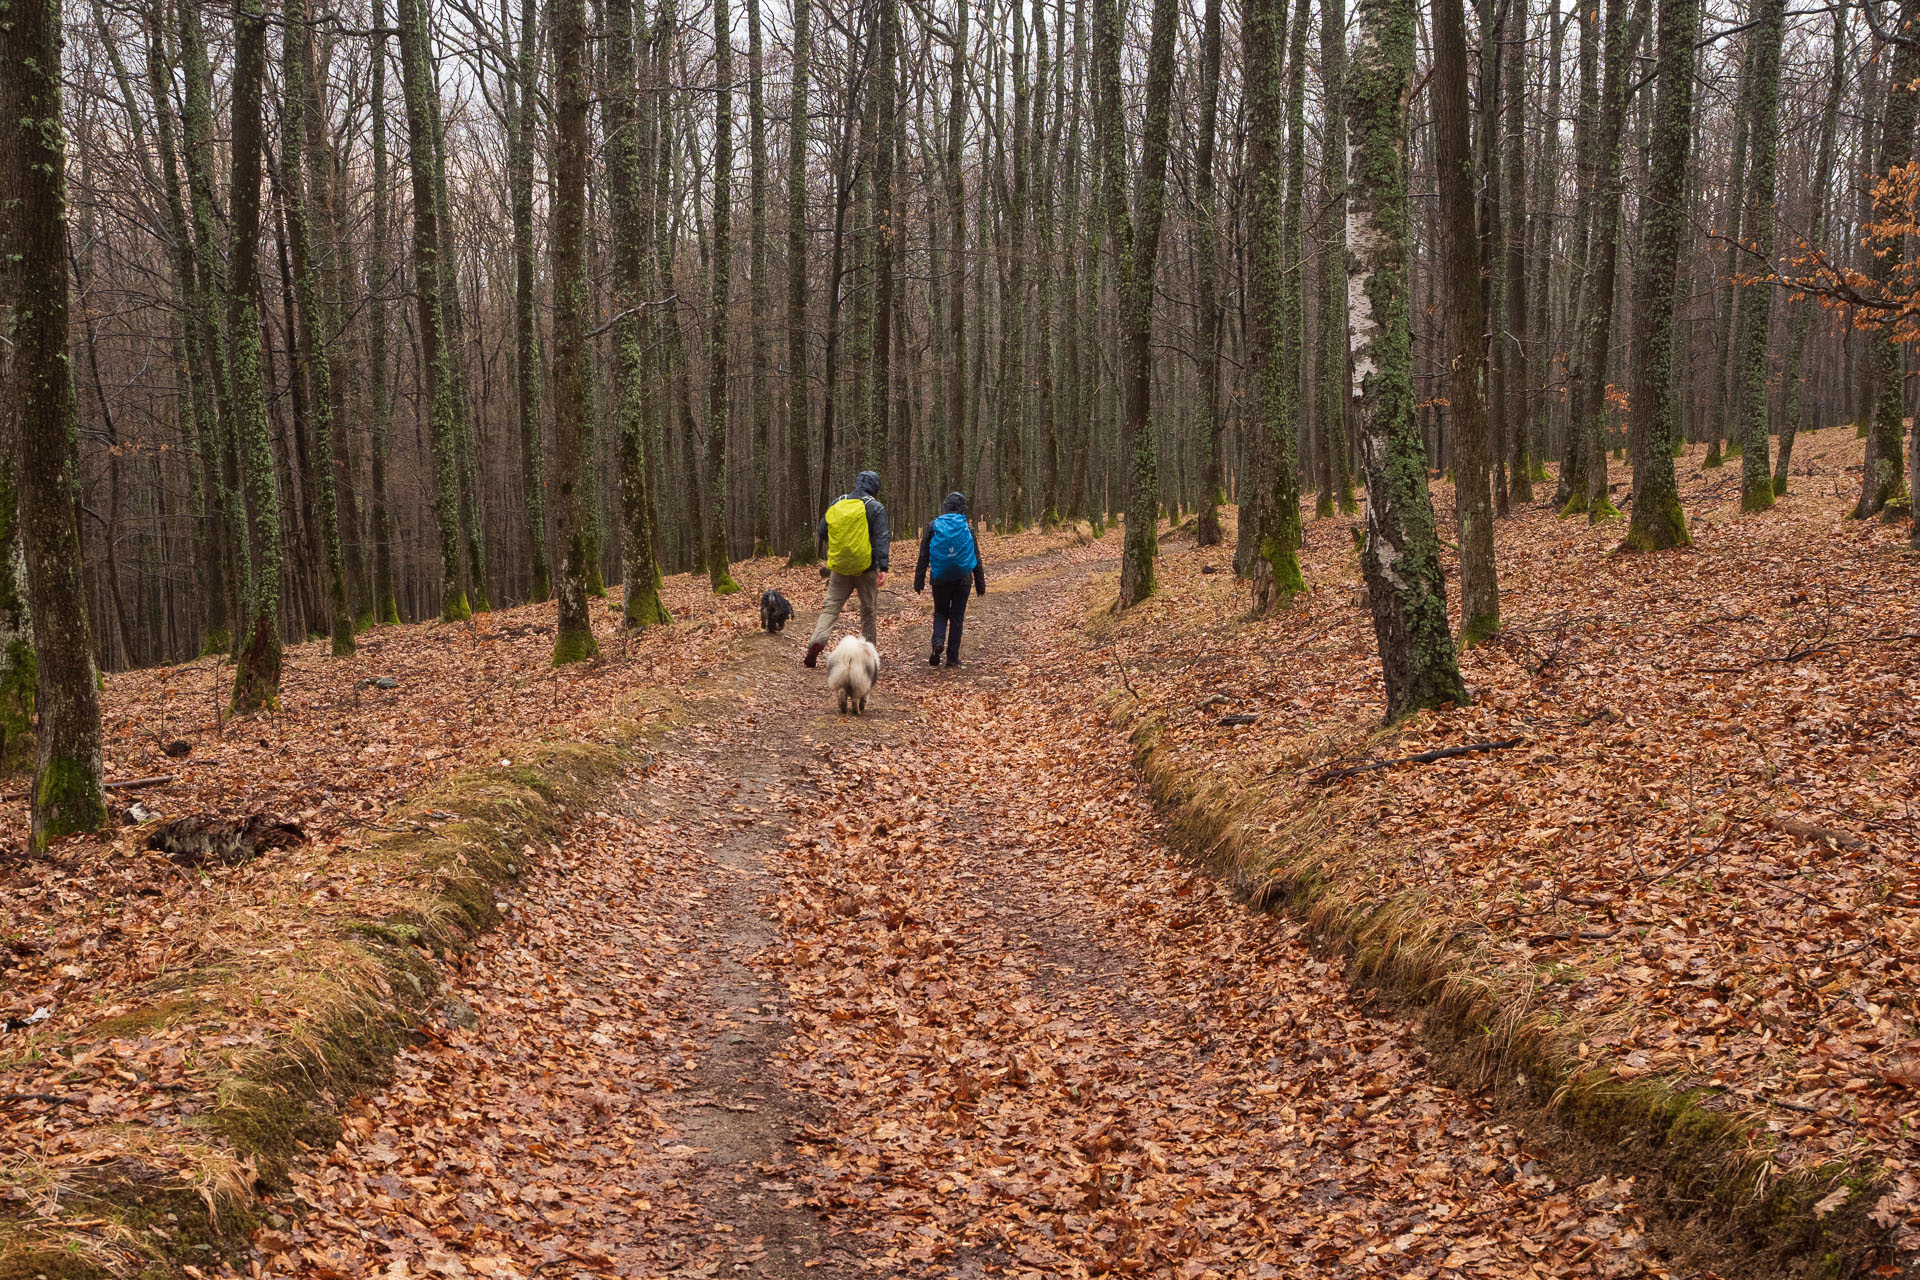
{"x": 854, "y": 541}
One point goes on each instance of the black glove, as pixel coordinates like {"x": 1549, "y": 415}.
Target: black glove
{"x": 824, "y": 571}
{"x": 980, "y": 589}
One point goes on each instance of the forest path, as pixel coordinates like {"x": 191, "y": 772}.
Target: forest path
{"x": 920, "y": 993}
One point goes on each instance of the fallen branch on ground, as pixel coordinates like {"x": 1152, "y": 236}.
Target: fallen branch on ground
{"x": 130, "y": 784}
{"x": 1425, "y": 757}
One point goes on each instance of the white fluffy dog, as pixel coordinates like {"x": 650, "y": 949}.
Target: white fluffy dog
{"x": 851, "y": 669}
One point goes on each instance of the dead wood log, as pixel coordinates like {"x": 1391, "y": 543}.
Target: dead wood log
{"x": 205, "y": 839}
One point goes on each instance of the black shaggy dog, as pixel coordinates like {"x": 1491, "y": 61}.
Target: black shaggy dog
{"x": 774, "y": 611}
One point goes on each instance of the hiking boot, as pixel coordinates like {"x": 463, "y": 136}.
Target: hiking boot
{"x": 952, "y": 661}
{"x": 813, "y": 653}
{"x": 933, "y": 659}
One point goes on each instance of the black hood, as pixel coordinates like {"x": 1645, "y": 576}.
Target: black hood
{"x": 956, "y": 502}
{"x": 866, "y": 485}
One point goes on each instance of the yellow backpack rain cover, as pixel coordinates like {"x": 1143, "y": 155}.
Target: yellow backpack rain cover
{"x": 849, "y": 548}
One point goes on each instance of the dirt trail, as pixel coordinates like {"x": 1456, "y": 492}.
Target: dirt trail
{"x": 918, "y": 994}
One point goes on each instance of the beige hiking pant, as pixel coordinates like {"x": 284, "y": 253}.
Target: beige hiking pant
{"x": 839, "y": 587}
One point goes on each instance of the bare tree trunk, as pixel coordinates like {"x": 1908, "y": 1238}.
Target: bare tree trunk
{"x": 1465, "y": 347}
{"x": 1136, "y": 247}
{"x": 574, "y": 640}
{"x": 522, "y": 113}
{"x": 1822, "y": 188}
{"x": 799, "y": 516}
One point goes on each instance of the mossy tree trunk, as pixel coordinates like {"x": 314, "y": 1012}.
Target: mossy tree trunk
{"x": 1658, "y": 521}
{"x": 202, "y": 396}
{"x": 1465, "y": 325}
{"x": 1080, "y": 238}
{"x": 954, "y": 454}
{"x": 1013, "y": 315}
{"x": 1883, "y": 479}
{"x": 522, "y": 97}
{"x": 1046, "y": 226}
{"x": 1756, "y": 256}
{"x": 1401, "y": 555}
{"x": 1207, "y": 305}
{"x": 760, "y": 296}
{"x": 416, "y": 75}
{"x": 1333, "y": 397}
{"x": 877, "y": 424}
{"x": 473, "y": 522}
{"x": 1823, "y": 190}
{"x": 67, "y": 789}
{"x": 1135, "y": 238}
{"x": 623, "y": 129}
{"x": 1622, "y": 33}
{"x": 386, "y": 607}
{"x": 1275, "y": 564}
{"x": 1542, "y": 256}
{"x": 722, "y": 257}
{"x": 196, "y": 130}
{"x": 256, "y": 680}
{"x": 303, "y": 184}
{"x": 1725, "y": 411}
{"x": 574, "y": 640}
{"x": 1571, "y": 493}
{"x": 799, "y": 500}
{"x": 1513, "y": 184}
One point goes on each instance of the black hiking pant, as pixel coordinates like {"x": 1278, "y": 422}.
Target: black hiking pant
{"x": 950, "y": 614}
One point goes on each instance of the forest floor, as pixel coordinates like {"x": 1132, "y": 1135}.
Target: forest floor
{"x": 927, "y": 993}
{"x": 921, "y": 993}
{"x": 1691, "y": 854}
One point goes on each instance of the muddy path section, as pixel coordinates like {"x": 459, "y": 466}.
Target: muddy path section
{"x": 1037, "y": 1035}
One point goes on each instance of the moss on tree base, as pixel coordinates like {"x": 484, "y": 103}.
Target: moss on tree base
{"x": 722, "y": 580}
{"x": 455, "y": 607}
{"x": 644, "y": 609}
{"x": 1474, "y": 631}
{"x": 67, "y": 797}
{"x": 1657, "y": 526}
{"x": 1576, "y": 504}
{"x": 574, "y": 645}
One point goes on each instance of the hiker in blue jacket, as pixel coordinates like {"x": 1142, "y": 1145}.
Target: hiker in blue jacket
{"x": 949, "y": 554}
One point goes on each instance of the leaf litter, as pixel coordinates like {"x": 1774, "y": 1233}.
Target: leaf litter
{"x": 1700, "y": 857}
{"x": 1011, "y": 1034}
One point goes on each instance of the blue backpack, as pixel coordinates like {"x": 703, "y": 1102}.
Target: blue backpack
{"x": 951, "y": 554}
